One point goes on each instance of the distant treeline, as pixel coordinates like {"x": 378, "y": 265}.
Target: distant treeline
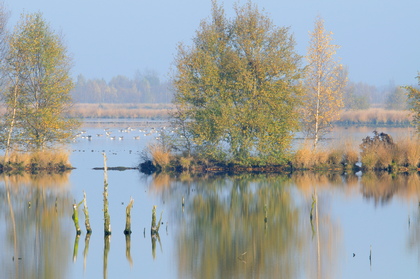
{"x": 143, "y": 88}
{"x": 147, "y": 88}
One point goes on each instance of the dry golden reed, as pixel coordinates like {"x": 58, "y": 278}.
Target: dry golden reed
{"x": 307, "y": 158}
{"x": 161, "y": 157}
{"x": 39, "y": 159}
{"x": 121, "y": 110}
{"x": 399, "y": 155}
{"x": 377, "y": 116}
{"x": 408, "y": 152}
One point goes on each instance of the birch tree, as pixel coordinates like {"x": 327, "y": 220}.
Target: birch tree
{"x": 38, "y": 95}
{"x": 4, "y": 16}
{"x": 236, "y": 87}
{"x": 324, "y": 83}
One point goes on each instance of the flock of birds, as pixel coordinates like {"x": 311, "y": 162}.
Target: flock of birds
{"x": 121, "y": 134}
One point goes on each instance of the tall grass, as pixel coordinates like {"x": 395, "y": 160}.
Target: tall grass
{"x": 121, "y": 110}
{"x": 344, "y": 154}
{"x": 161, "y": 156}
{"x": 376, "y": 154}
{"x": 37, "y": 160}
{"x": 382, "y": 154}
{"x": 376, "y": 116}
{"x": 408, "y": 152}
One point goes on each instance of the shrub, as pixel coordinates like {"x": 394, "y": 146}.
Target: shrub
{"x": 377, "y": 151}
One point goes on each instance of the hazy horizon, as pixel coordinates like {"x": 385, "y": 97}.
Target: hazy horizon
{"x": 378, "y": 39}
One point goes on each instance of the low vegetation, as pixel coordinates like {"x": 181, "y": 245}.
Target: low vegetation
{"x": 341, "y": 157}
{"x": 376, "y": 117}
{"x": 376, "y": 153}
{"x": 54, "y": 161}
{"x": 380, "y": 152}
{"x": 150, "y": 111}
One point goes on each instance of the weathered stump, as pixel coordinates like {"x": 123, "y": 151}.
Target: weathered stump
{"x": 75, "y": 218}
{"x": 86, "y": 212}
{"x": 127, "y": 229}
{"x": 154, "y": 230}
{"x": 107, "y": 217}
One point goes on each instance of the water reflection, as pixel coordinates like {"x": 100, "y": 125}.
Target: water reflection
{"x": 222, "y": 229}
{"x": 107, "y": 246}
{"x": 219, "y": 226}
{"x": 36, "y": 244}
{"x": 155, "y": 237}
{"x": 128, "y": 249}
{"x": 413, "y": 242}
{"x": 76, "y": 247}
{"x": 382, "y": 186}
{"x": 86, "y": 250}
{"x": 248, "y": 226}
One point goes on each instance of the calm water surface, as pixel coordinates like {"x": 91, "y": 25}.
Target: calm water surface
{"x": 363, "y": 226}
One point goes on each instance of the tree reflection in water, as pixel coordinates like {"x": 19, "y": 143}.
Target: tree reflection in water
{"x": 225, "y": 235}
{"x": 36, "y": 243}
{"x": 413, "y": 243}
{"x": 382, "y": 186}
{"x": 323, "y": 248}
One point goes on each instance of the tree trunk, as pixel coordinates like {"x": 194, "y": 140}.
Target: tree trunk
{"x": 12, "y": 123}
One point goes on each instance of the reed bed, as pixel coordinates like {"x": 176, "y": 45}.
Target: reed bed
{"x": 121, "y": 110}
{"x": 331, "y": 157}
{"x": 372, "y": 116}
{"x": 378, "y": 153}
{"x": 376, "y": 116}
{"x": 375, "y": 154}
{"x": 39, "y": 160}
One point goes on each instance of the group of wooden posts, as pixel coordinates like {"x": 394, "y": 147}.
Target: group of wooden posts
{"x": 107, "y": 220}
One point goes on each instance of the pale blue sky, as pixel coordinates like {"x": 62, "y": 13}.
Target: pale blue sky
{"x": 380, "y": 39}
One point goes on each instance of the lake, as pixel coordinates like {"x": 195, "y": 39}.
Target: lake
{"x": 220, "y": 226}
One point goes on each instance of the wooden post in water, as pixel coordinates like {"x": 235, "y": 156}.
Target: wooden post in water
{"x": 154, "y": 230}
{"x": 86, "y": 212}
{"x": 107, "y": 218}
{"x": 75, "y": 218}
{"x": 128, "y": 217}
